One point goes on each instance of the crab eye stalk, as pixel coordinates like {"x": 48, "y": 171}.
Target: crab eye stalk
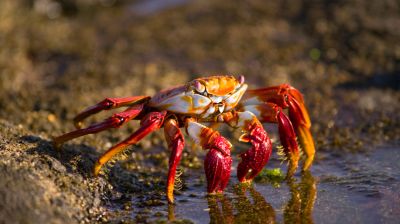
{"x": 199, "y": 87}
{"x": 241, "y": 79}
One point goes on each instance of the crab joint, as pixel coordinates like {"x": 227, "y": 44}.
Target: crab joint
{"x": 255, "y": 158}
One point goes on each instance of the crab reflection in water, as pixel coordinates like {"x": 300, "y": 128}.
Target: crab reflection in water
{"x": 250, "y": 206}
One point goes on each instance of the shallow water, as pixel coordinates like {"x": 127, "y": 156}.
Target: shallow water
{"x": 358, "y": 188}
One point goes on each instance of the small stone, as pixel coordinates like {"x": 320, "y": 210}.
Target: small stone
{"x": 51, "y": 118}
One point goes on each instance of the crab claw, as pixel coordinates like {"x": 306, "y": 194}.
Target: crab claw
{"x": 255, "y": 158}
{"x": 218, "y": 161}
{"x": 217, "y": 165}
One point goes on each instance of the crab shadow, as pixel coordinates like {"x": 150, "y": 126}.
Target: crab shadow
{"x": 79, "y": 159}
{"x": 70, "y": 158}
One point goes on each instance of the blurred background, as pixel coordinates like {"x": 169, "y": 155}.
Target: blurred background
{"x": 59, "y": 56}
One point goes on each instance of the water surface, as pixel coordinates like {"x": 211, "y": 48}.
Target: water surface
{"x": 353, "y": 188}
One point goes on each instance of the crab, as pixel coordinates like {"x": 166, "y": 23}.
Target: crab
{"x": 210, "y": 100}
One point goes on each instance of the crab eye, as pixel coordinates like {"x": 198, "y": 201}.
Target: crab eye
{"x": 241, "y": 79}
{"x": 199, "y": 87}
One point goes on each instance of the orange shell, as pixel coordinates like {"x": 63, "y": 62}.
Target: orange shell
{"x": 219, "y": 85}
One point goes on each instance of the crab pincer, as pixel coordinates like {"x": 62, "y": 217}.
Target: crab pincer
{"x": 255, "y": 158}
{"x": 217, "y": 165}
{"x": 218, "y": 161}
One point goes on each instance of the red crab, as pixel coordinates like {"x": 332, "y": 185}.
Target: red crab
{"x": 215, "y": 99}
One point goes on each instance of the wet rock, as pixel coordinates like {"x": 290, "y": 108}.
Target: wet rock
{"x": 25, "y": 200}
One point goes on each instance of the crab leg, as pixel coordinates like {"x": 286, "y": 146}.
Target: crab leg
{"x": 286, "y": 96}
{"x": 218, "y": 161}
{"x": 176, "y": 143}
{"x": 149, "y": 123}
{"x": 107, "y": 104}
{"x": 301, "y": 121}
{"x": 115, "y": 121}
{"x": 270, "y": 112}
{"x": 255, "y": 158}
